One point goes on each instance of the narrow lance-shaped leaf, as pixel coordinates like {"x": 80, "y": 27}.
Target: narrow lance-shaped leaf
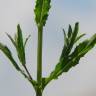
{"x": 8, "y": 54}
{"x": 92, "y": 40}
{"x": 79, "y": 37}
{"x": 75, "y": 32}
{"x": 21, "y": 49}
{"x": 74, "y": 35}
{"x": 26, "y": 40}
{"x": 41, "y": 11}
{"x": 91, "y": 43}
{"x": 70, "y": 38}
{"x": 12, "y": 40}
{"x": 66, "y": 42}
{"x": 18, "y": 44}
{"x": 69, "y": 31}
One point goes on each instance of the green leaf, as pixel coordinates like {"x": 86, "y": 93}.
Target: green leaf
{"x": 71, "y": 56}
{"x": 26, "y": 40}
{"x": 73, "y": 59}
{"x": 66, "y": 44}
{"x": 80, "y": 48}
{"x": 91, "y": 41}
{"x": 18, "y": 44}
{"x": 41, "y": 11}
{"x": 76, "y": 29}
{"x": 69, "y": 31}
{"x": 74, "y": 35}
{"x": 12, "y": 40}
{"x": 79, "y": 37}
{"x": 8, "y": 54}
{"x": 69, "y": 40}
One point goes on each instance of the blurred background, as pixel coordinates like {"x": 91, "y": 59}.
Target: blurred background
{"x": 80, "y": 80}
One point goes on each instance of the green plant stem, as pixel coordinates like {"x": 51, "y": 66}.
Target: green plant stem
{"x": 39, "y": 61}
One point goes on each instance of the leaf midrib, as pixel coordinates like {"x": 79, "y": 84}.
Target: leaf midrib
{"x": 41, "y": 13}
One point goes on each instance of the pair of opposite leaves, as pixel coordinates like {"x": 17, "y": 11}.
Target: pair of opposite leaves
{"x": 69, "y": 57}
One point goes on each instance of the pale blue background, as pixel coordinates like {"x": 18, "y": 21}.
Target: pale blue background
{"x": 80, "y": 80}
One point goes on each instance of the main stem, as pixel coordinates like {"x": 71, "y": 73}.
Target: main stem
{"x": 39, "y": 61}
